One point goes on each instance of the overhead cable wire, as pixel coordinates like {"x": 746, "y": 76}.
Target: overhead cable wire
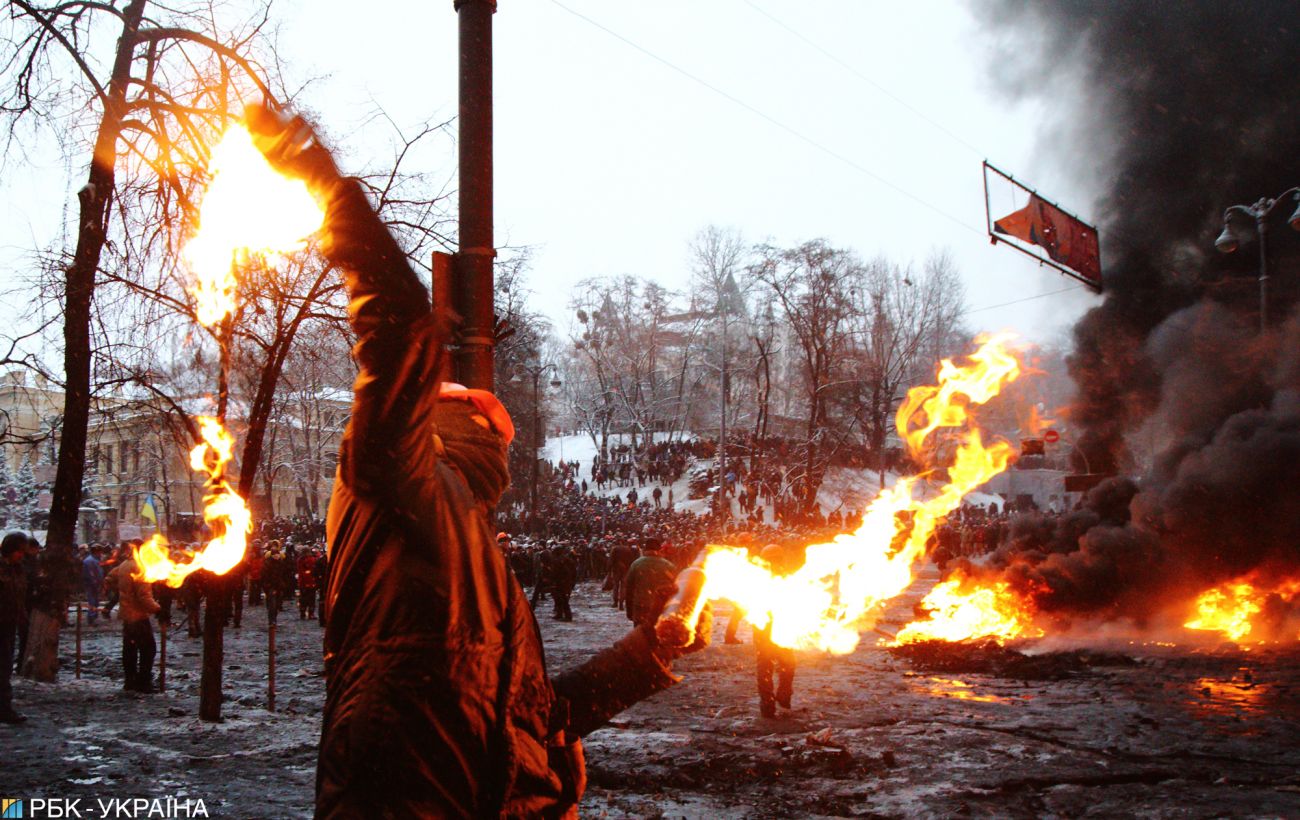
{"x": 1018, "y": 301}
{"x": 773, "y": 120}
{"x": 866, "y": 79}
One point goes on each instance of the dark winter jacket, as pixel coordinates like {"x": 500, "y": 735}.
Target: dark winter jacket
{"x": 13, "y": 593}
{"x": 648, "y": 586}
{"x": 437, "y": 698}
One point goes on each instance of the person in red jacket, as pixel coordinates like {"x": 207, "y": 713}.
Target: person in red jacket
{"x": 438, "y": 702}
{"x": 307, "y": 585}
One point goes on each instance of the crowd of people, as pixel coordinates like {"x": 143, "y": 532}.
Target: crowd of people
{"x": 631, "y": 546}
{"x": 285, "y": 564}
{"x": 972, "y": 530}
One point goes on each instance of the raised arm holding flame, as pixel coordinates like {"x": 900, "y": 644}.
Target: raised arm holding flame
{"x": 437, "y": 699}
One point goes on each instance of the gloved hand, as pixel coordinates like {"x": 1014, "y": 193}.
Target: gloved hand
{"x": 354, "y": 237}
{"x": 290, "y": 144}
{"x": 703, "y": 636}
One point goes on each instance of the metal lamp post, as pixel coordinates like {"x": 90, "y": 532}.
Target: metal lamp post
{"x": 536, "y": 371}
{"x": 1228, "y": 241}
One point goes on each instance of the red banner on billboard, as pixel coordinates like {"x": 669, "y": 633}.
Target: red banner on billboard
{"x": 1070, "y": 244}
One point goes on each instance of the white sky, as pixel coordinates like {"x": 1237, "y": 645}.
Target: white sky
{"x": 609, "y": 161}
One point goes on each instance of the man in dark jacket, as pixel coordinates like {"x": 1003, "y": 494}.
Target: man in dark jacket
{"x": 437, "y": 699}
{"x": 564, "y": 576}
{"x": 649, "y": 584}
{"x": 620, "y": 559}
{"x": 277, "y": 577}
{"x": 13, "y": 602}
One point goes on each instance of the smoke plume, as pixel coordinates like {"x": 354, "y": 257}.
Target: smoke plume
{"x": 1181, "y": 109}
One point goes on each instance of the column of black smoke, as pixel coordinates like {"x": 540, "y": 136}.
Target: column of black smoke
{"x": 1182, "y": 108}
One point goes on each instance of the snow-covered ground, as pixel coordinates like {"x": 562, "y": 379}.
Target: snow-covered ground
{"x": 1181, "y": 734}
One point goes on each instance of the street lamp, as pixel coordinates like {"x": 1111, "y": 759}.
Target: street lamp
{"x": 1229, "y": 241}
{"x": 536, "y": 370}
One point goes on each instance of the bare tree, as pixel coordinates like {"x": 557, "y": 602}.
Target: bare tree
{"x": 313, "y": 399}
{"x": 899, "y": 323}
{"x": 149, "y": 108}
{"x": 520, "y": 359}
{"x": 810, "y": 284}
{"x": 718, "y": 257}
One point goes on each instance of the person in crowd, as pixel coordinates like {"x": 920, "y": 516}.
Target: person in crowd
{"x": 321, "y": 571}
{"x": 13, "y": 603}
{"x": 545, "y": 575}
{"x": 564, "y": 576}
{"x": 306, "y": 584}
{"x": 136, "y": 606}
{"x": 233, "y": 585}
{"x": 92, "y": 580}
{"x": 649, "y": 584}
{"x": 255, "y": 561}
{"x": 620, "y": 559}
{"x": 192, "y": 589}
{"x": 770, "y": 659}
{"x": 277, "y": 575}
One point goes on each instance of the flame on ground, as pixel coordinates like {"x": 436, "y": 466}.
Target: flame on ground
{"x": 248, "y": 208}
{"x": 223, "y": 511}
{"x": 1236, "y": 609}
{"x": 822, "y": 604}
{"x": 958, "y": 613}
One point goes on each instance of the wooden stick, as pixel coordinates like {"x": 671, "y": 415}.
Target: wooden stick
{"x": 78, "y": 640}
{"x": 162, "y": 653}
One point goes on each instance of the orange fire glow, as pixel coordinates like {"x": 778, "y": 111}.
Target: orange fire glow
{"x": 223, "y": 511}
{"x": 976, "y": 612}
{"x": 841, "y": 583}
{"x": 1037, "y": 423}
{"x": 248, "y": 209}
{"x": 1233, "y": 609}
{"x": 931, "y": 407}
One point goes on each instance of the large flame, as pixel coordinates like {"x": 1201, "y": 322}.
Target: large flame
{"x": 959, "y": 611}
{"x": 823, "y": 603}
{"x": 930, "y": 407}
{"x": 224, "y": 512}
{"x": 248, "y": 208}
{"x": 1235, "y": 610}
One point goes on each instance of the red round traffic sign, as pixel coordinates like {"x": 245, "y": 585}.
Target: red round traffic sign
{"x": 1051, "y": 437}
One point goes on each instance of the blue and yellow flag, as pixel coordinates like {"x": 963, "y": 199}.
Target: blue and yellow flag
{"x": 148, "y": 511}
